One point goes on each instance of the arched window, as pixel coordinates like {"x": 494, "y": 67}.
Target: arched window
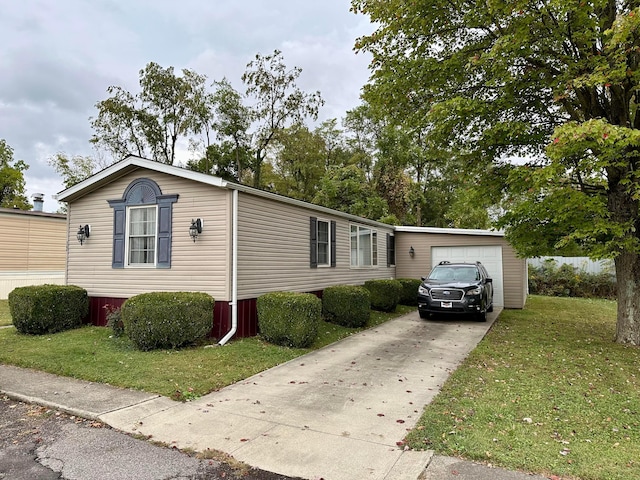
{"x": 142, "y": 226}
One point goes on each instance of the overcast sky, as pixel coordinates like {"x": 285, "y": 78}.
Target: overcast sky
{"x": 59, "y": 57}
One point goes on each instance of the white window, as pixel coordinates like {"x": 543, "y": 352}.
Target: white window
{"x": 141, "y": 235}
{"x": 364, "y": 246}
{"x": 324, "y": 245}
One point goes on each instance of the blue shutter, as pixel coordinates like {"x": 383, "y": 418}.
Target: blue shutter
{"x": 313, "y": 247}
{"x": 164, "y": 229}
{"x": 333, "y": 243}
{"x": 117, "y": 260}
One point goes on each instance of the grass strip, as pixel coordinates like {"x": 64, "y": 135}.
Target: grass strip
{"x": 546, "y": 391}
{"x": 91, "y": 353}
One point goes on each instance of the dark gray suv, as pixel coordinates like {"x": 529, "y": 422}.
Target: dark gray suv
{"x": 456, "y": 288}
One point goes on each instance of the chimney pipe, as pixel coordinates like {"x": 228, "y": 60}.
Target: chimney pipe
{"x": 38, "y": 202}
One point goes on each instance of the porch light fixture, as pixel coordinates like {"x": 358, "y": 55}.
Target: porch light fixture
{"x": 412, "y": 252}
{"x": 195, "y": 229}
{"x": 83, "y": 233}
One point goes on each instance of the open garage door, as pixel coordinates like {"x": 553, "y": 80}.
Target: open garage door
{"x": 490, "y": 256}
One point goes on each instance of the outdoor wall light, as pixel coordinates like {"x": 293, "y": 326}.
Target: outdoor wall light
{"x": 83, "y": 233}
{"x": 195, "y": 229}
{"x": 412, "y": 252}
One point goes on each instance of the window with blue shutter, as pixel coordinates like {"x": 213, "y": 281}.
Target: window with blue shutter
{"x": 322, "y": 237}
{"x": 142, "y": 221}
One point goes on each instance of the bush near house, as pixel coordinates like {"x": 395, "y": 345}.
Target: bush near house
{"x": 167, "y": 319}
{"x": 346, "y": 305}
{"x": 289, "y": 319}
{"x": 409, "y": 294}
{"x": 567, "y": 281}
{"x": 42, "y": 309}
{"x": 385, "y": 294}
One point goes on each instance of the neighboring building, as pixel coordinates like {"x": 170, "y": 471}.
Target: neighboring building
{"x": 140, "y": 214}
{"x": 32, "y": 248}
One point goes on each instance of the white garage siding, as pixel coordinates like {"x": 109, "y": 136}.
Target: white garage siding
{"x": 489, "y": 256}
{"x": 424, "y": 239}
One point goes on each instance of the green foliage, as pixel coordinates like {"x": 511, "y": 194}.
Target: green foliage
{"x": 555, "y": 84}
{"x": 12, "y": 185}
{"x": 289, "y": 319}
{"x": 279, "y": 102}
{"x": 346, "y": 305}
{"x": 150, "y": 123}
{"x": 167, "y": 319}
{"x": 41, "y": 309}
{"x": 385, "y": 294}
{"x": 409, "y": 293}
{"x": 568, "y": 281}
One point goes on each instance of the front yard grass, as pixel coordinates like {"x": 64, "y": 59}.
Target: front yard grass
{"x": 5, "y": 316}
{"x": 89, "y": 353}
{"x": 546, "y": 391}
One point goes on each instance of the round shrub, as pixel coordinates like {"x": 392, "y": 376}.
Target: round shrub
{"x": 385, "y": 294}
{"x": 346, "y": 305}
{"x": 409, "y": 293}
{"x": 289, "y": 319}
{"x": 42, "y": 309}
{"x": 167, "y": 319}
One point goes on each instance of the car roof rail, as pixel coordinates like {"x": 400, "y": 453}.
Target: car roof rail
{"x": 444, "y": 262}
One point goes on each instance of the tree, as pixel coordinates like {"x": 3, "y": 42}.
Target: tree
{"x": 73, "y": 169}
{"x": 12, "y": 185}
{"x": 150, "y": 123}
{"x": 553, "y": 83}
{"x": 279, "y": 102}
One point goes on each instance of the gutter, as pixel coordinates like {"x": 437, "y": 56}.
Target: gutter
{"x": 233, "y": 304}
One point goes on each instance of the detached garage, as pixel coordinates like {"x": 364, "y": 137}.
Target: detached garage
{"x": 433, "y": 245}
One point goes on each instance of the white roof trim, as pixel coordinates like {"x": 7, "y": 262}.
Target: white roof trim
{"x": 133, "y": 161}
{"x": 142, "y": 163}
{"x": 452, "y": 231}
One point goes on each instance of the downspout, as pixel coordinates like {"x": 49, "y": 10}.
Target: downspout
{"x": 234, "y": 271}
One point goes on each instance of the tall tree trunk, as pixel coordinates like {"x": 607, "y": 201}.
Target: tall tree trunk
{"x": 257, "y": 169}
{"x": 624, "y": 208}
{"x": 628, "y": 278}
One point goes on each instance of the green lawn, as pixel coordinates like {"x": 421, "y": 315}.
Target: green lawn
{"x": 5, "y": 317}
{"x": 90, "y": 354}
{"x": 547, "y": 391}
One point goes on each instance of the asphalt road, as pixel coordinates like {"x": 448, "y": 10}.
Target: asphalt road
{"x": 37, "y": 443}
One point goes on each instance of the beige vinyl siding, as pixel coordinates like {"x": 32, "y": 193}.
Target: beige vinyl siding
{"x": 200, "y": 266}
{"x": 274, "y": 253}
{"x": 514, "y": 268}
{"x": 32, "y": 242}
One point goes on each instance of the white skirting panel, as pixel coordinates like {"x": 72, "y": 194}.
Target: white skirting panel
{"x": 11, "y": 280}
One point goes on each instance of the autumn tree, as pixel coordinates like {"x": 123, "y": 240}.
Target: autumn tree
{"x": 150, "y": 123}
{"x": 552, "y": 83}
{"x": 12, "y": 185}
{"x": 277, "y": 103}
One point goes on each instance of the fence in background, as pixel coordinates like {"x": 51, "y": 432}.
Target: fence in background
{"x": 584, "y": 264}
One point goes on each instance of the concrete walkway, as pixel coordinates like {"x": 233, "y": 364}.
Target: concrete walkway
{"x": 339, "y": 413}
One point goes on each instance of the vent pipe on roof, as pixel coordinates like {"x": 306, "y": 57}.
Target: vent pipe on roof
{"x": 38, "y": 202}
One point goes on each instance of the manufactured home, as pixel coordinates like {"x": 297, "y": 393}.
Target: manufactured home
{"x": 32, "y": 248}
{"x": 140, "y": 226}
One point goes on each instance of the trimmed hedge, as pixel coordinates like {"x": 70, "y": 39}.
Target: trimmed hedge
{"x": 289, "y": 319}
{"x": 167, "y": 319}
{"x": 409, "y": 294}
{"x": 385, "y": 294}
{"x": 41, "y": 309}
{"x": 346, "y": 305}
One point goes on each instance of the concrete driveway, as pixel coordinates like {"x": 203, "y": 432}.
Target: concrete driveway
{"x": 337, "y": 413}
